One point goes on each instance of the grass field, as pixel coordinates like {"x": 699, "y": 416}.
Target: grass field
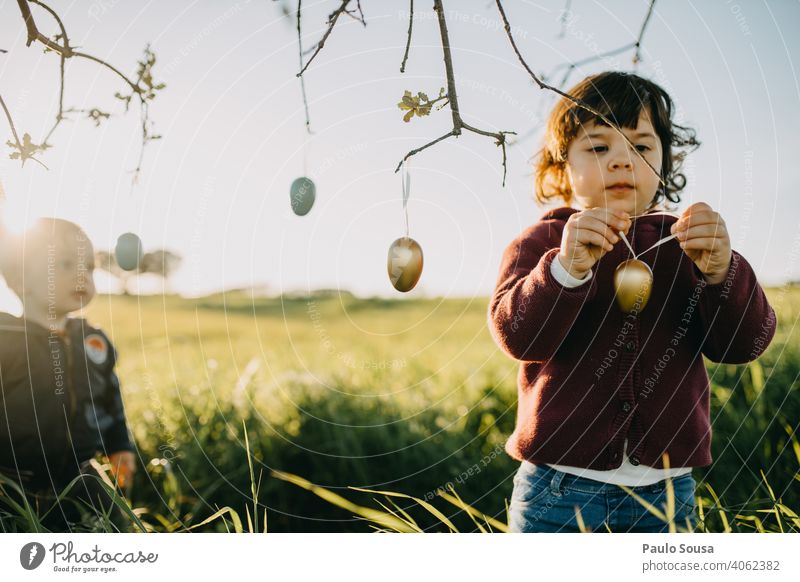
{"x": 403, "y": 396}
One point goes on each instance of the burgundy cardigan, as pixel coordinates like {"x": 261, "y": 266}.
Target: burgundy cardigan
{"x": 592, "y": 375}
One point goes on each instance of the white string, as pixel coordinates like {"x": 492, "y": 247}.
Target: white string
{"x": 405, "y": 178}
{"x": 661, "y": 242}
{"x": 306, "y": 144}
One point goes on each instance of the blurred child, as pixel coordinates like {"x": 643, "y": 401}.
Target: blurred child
{"x": 60, "y": 400}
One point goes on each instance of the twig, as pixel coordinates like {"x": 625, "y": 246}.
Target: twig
{"x": 65, "y": 51}
{"x": 637, "y": 56}
{"x": 18, "y": 144}
{"x": 358, "y": 14}
{"x": 134, "y": 87}
{"x": 427, "y": 145}
{"x": 452, "y": 95}
{"x": 10, "y": 121}
{"x": 408, "y": 40}
{"x": 57, "y": 19}
{"x": 302, "y": 78}
{"x": 361, "y": 12}
{"x": 65, "y": 38}
{"x": 33, "y": 34}
{"x": 448, "y": 66}
{"x": 310, "y": 50}
{"x": 334, "y": 16}
{"x": 564, "y": 16}
{"x": 572, "y": 66}
{"x": 632, "y": 45}
{"x": 580, "y": 103}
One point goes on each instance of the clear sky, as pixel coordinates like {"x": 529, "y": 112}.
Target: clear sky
{"x": 215, "y": 189}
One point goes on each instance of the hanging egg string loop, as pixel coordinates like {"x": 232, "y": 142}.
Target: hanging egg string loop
{"x": 661, "y": 242}
{"x": 406, "y": 183}
{"x": 633, "y": 279}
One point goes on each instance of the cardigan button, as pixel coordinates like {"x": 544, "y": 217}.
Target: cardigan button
{"x": 630, "y": 346}
{"x": 626, "y": 406}
{"x": 634, "y": 460}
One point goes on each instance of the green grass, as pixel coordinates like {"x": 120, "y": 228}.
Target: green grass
{"x": 368, "y": 398}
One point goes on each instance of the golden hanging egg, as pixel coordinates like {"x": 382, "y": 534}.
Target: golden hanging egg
{"x": 633, "y": 282}
{"x": 404, "y": 263}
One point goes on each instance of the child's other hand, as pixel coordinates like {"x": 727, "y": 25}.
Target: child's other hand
{"x": 588, "y": 235}
{"x": 123, "y": 466}
{"x": 704, "y": 238}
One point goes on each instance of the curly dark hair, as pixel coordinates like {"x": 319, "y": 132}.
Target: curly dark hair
{"x": 620, "y": 97}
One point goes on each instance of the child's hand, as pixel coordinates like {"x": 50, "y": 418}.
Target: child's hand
{"x": 588, "y": 235}
{"x": 123, "y": 466}
{"x": 704, "y": 238}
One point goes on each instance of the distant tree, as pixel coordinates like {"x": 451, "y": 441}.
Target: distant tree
{"x": 161, "y": 262}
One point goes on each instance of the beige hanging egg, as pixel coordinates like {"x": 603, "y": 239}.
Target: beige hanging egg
{"x": 404, "y": 263}
{"x": 633, "y": 281}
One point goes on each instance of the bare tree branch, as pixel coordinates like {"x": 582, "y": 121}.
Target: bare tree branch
{"x": 632, "y": 45}
{"x": 334, "y": 16}
{"x": 33, "y": 34}
{"x": 143, "y": 88}
{"x": 408, "y": 40}
{"x": 56, "y": 17}
{"x": 569, "y": 67}
{"x": 637, "y": 56}
{"x": 302, "y": 78}
{"x": 421, "y": 105}
{"x": 448, "y": 66}
{"x": 65, "y": 39}
{"x": 24, "y": 150}
{"x": 361, "y": 12}
{"x": 357, "y": 14}
{"x": 564, "y": 16}
{"x": 580, "y": 103}
{"x": 10, "y": 121}
{"x": 452, "y": 96}
{"x": 427, "y": 145}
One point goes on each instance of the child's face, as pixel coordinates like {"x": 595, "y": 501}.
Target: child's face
{"x": 598, "y": 158}
{"x": 59, "y": 278}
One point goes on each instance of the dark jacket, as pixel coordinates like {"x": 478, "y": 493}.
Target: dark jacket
{"x": 60, "y": 400}
{"x": 591, "y": 375}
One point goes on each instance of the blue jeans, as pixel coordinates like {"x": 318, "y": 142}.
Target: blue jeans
{"x": 545, "y": 500}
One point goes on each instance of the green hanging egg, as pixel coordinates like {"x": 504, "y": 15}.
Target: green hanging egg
{"x": 302, "y": 195}
{"x": 128, "y": 251}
